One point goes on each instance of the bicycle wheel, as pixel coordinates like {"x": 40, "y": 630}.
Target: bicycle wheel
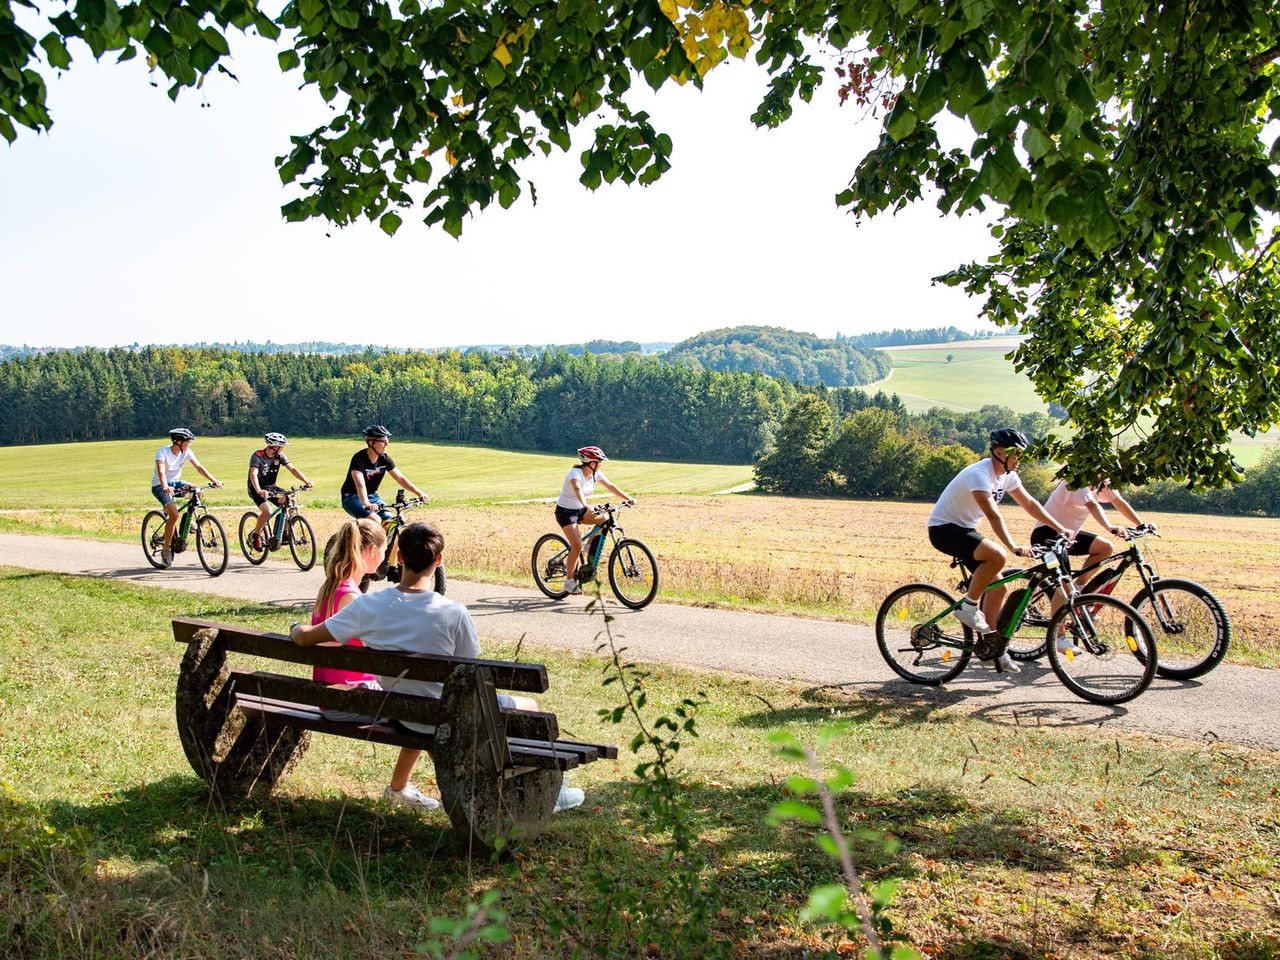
{"x": 211, "y": 544}
{"x": 633, "y": 574}
{"x": 1190, "y": 625}
{"x": 441, "y": 581}
{"x": 913, "y": 645}
{"x": 1027, "y": 642}
{"x": 1111, "y": 656}
{"x": 246, "y": 545}
{"x": 549, "y": 556}
{"x": 302, "y": 542}
{"x": 153, "y": 537}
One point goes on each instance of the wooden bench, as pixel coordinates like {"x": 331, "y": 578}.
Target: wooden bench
{"x": 499, "y": 771}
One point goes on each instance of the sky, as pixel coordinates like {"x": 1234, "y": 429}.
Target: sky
{"x": 141, "y": 220}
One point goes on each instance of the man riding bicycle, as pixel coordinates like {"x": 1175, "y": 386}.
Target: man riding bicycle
{"x": 364, "y": 476}
{"x": 167, "y": 483}
{"x": 572, "y": 509}
{"x": 974, "y": 493}
{"x": 264, "y": 467}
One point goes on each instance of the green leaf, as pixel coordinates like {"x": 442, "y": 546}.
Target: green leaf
{"x": 901, "y": 122}
{"x": 826, "y": 902}
{"x": 390, "y": 223}
{"x": 56, "y": 51}
{"x": 6, "y": 129}
{"x": 183, "y": 25}
{"x": 288, "y": 59}
{"x": 493, "y": 73}
{"x": 346, "y": 18}
{"x": 795, "y": 810}
{"x": 1036, "y": 142}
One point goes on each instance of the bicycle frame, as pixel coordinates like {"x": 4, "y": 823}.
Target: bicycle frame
{"x": 281, "y": 514}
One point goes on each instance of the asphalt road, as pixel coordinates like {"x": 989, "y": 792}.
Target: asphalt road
{"x": 1232, "y": 704}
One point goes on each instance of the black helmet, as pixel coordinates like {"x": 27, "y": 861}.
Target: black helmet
{"x": 1009, "y": 439}
{"x": 376, "y": 432}
{"x": 181, "y": 433}
{"x": 276, "y": 440}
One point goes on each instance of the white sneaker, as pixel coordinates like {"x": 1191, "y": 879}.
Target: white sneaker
{"x": 1066, "y": 647}
{"x": 571, "y": 586}
{"x": 970, "y": 614}
{"x": 166, "y": 556}
{"x": 1007, "y": 664}
{"x": 569, "y": 798}
{"x": 410, "y": 798}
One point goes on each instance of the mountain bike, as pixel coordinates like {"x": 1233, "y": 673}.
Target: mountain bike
{"x": 387, "y": 571}
{"x": 1107, "y": 654}
{"x": 211, "y": 539}
{"x": 285, "y": 525}
{"x": 1191, "y": 625}
{"x": 633, "y": 571}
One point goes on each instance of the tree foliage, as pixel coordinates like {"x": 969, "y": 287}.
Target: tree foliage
{"x": 1124, "y": 145}
{"x": 779, "y": 352}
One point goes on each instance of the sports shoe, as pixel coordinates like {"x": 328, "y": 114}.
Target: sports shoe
{"x": 411, "y": 798}
{"x": 569, "y": 798}
{"x": 1006, "y": 664}
{"x": 1067, "y": 647}
{"x": 166, "y": 556}
{"x": 970, "y": 614}
{"x": 571, "y": 586}
{"x": 255, "y": 541}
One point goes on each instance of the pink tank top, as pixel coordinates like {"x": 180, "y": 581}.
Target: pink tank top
{"x": 329, "y": 674}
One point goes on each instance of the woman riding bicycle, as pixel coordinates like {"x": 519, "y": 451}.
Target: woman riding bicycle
{"x": 166, "y": 481}
{"x": 571, "y": 506}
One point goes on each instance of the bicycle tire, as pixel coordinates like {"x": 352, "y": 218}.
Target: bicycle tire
{"x": 548, "y": 563}
{"x": 153, "y": 537}
{"x": 302, "y": 542}
{"x": 440, "y": 581}
{"x": 211, "y": 545}
{"x": 625, "y": 567}
{"x": 1113, "y": 655}
{"x": 246, "y": 546}
{"x": 897, "y": 609}
{"x": 1027, "y": 642}
{"x": 1195, "y": 638}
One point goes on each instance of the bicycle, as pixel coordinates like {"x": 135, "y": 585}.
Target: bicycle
{"x": 633, "y": 570}
{"x": 385, "y": 570}
{"x": 285, "y": 525}
{"x": 211, "y": 538}
{"x": 1192, "y": 625}
{"x": 1108, "y": 655}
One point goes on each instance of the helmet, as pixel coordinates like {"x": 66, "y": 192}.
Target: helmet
{"x": 181, "y": 433}
{"x": 591, "y": 453}
{"x": 376, "y": 432}
{"x": 276, "y": 440}
{"x": 1009, "y": 438}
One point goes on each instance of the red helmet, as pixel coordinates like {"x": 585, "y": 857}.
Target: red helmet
{"x": 586, "y": 454}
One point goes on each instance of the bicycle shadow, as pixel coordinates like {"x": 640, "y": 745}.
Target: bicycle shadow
{"x": 129, "y": 573}
{"x": 498, "y": 606}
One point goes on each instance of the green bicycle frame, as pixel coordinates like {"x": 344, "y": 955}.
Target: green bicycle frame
{"x": 185, "y": 526}
{"x": 1027, "y": 597}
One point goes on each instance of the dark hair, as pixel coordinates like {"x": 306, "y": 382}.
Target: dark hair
{"x": 420, "y": 546}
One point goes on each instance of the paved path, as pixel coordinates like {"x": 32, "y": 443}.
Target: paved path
{"x": 1233, "y": 704}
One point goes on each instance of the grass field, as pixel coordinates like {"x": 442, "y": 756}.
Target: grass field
{"x": 1015, "y": 842}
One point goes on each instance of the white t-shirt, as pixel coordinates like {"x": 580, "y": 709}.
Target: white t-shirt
{"x": 1071, "y": 507}
{"x": 956, "y": 505}
{"x": 568, "y": 499}
{"x": 408, "y": 623}
{"x": 173, "y": 463}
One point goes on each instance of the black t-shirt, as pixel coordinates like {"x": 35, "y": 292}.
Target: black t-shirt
{"x": 268, "y": 467}
{"x": 373, "y": 472}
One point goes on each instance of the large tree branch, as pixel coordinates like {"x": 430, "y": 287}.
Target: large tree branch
{"x": 1256, "y": 63}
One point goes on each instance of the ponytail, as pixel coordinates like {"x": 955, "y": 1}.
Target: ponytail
{"x": 342, "y": 557}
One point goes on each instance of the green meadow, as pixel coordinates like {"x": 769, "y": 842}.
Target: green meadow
{"x": 116, "y": 474}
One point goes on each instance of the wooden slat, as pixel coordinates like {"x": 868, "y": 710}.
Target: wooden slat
{"x": 530, "y": 724}
{"x": 523, "y": 677}
{"x": 308, "y": 718}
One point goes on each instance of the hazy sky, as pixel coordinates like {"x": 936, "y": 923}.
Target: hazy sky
{"x": 138, "y": 219}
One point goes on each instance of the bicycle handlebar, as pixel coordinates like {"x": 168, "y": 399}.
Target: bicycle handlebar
{"x": 1137, "y": 533}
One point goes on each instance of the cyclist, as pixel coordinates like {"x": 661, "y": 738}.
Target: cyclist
{"x": 364, "y": 476}
{"x": 167, "y": 483}
{"x": 264, "y": 467}
{"x": 975, "y": 492}
{"x": 572, "y": 509}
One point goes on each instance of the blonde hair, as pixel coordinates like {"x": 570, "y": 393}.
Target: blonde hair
{"x": 342, "y": 556}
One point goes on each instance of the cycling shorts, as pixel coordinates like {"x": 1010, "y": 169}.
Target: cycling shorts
{"x": 566, "y": 517}
{"x": 258, "y": 498}
{"x": 178, "y": 486}
{"x": 1042, "y": 536}
{"x": 957, "y": 541}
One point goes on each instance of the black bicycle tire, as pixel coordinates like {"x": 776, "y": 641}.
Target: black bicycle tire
{"x": 441, "y": 581}
{"x": 146, "y": 546}
{"x": 1222, "y": 622}
{"x": 533, "y": 565}
{"x": 629, "y": 543}
{"x": 300, "y": 521}
{"x": 210, "y": 519}
{"x": 1132, "y": 619}
{"x": 1028, "y": 653}
{"x": 963, "y": 655}
{"x": 250, "y": 517}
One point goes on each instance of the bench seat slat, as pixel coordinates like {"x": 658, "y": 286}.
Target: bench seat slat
{"x": 528, "y": 724}
{"x": 522, "y": 677}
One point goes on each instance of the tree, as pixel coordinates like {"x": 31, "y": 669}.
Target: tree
{"x": 874, "y": 456}
{"x": 1123, "y": 145}
{"x": 797, "y": 463}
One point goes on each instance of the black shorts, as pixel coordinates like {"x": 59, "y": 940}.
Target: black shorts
{"x": 258, "y": 498}
{"x": 957, "y": 541}
{"x": 1042, "y": 536}
{"x": 565, "y": 516}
